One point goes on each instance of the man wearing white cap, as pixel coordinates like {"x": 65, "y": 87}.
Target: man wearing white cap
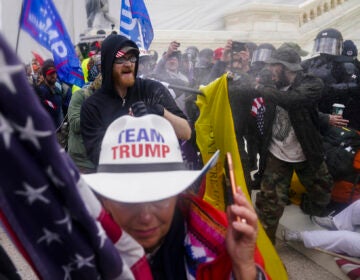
{"x": 140, "y": 176}
{"x": 122, "y": 93}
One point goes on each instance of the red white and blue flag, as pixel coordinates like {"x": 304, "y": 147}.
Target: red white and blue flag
{"x": 56, "y": 221}
{"x": 258, "y": 111}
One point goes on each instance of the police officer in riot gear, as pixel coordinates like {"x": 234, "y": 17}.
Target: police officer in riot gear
{"x": 350, "y": 76}
{"x": 337, "y": 72}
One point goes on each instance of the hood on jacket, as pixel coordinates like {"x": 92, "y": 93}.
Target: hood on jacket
{"x": 110, "y": 46}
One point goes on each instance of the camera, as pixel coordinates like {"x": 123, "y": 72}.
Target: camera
{"x": 238, "y": 46}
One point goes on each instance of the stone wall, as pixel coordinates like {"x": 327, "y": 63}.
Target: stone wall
{"x": 274, "y": 23}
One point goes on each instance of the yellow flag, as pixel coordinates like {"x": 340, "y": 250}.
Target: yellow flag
{"x": 215, "y": 130}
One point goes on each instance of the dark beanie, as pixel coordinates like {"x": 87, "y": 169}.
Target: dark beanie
{"x": 349, "y": 48}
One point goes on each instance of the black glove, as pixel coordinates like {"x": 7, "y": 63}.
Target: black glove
{"x": 156, "y": 109}
{"x": 139, "y": 109}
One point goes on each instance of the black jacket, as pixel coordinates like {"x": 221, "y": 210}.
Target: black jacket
{"x": 300, "y": 101}
{"x": 105, "y": 105}
{"x": 340, "y": 75}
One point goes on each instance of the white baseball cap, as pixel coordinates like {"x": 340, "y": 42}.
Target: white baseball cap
{"x": 141, "y": 161}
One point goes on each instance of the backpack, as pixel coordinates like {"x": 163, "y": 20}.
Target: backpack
{"x": 341, "y": 145}
{"x": 347, "y": 190}
{"x": 343, "y": 163}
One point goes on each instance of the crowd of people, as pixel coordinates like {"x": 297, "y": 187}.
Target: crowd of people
{"x": 282, "y": 107}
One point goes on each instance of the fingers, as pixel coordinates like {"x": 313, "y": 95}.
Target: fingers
{"x": 226, "y": 53}
{"x": 338, "y": 120}
{"x": 174, "y": 45}
{"x": 243, "y": 216}
{"x": 228, "y": 45}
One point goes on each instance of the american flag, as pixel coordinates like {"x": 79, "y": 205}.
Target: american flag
{"x": 258, "y": 111}
{"x": 42, "y": 194}
{"x": 350, "y": 268}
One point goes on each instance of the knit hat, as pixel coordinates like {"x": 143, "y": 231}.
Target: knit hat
{"x": 349, "y": 48}
{"x": 287, "y": 57}
{"x": 141, "y": 161}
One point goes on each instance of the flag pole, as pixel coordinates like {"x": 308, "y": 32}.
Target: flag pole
{"x": 32, "y": 69}
{"x": 186, "y": 89}
{"x": 140, "y": 34}
{"x": 18, "y": 33}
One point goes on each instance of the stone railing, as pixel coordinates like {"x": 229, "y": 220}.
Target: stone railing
{"x": 312, "y": 9}
{"x": 260, "y": 22}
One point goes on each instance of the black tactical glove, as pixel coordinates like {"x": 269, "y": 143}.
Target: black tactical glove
{"x": 156, "y": 109}
{"x": 139, "y": 109}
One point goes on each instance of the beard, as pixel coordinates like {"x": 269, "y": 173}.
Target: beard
{"x": 51, "y": 81}
{"x": 283, "y": 81}
{"x": 125, "y": 78}
{"x": 127, "y": 81}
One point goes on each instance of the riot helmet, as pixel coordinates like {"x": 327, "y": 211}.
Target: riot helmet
{"x": 262, "y": 53}
{"x": 328, "y": 41}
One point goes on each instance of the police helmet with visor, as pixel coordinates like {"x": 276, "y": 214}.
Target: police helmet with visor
{"x": 262, "y": 53}
{"x": 328, "y": 41}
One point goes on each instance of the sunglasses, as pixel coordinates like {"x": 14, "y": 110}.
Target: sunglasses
{"x": 123, "y": 60}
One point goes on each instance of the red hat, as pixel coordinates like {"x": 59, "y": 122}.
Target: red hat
{"x": 48, "y": 67}
{"x": 125, "y": 50}
{"x": 218, "y": 53}
{"x": 50, "y": 71}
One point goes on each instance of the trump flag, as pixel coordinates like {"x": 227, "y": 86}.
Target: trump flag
{"x": 135, "y": 23}
{"x": 42, "y": 21}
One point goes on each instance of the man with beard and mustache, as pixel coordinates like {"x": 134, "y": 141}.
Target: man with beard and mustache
{"x": 291, "y": 141}
{"x": 50, "y": 92}
{"x": 123, "y": 93}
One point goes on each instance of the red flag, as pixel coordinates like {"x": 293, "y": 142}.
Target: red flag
{"x": 38, "y": 57}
